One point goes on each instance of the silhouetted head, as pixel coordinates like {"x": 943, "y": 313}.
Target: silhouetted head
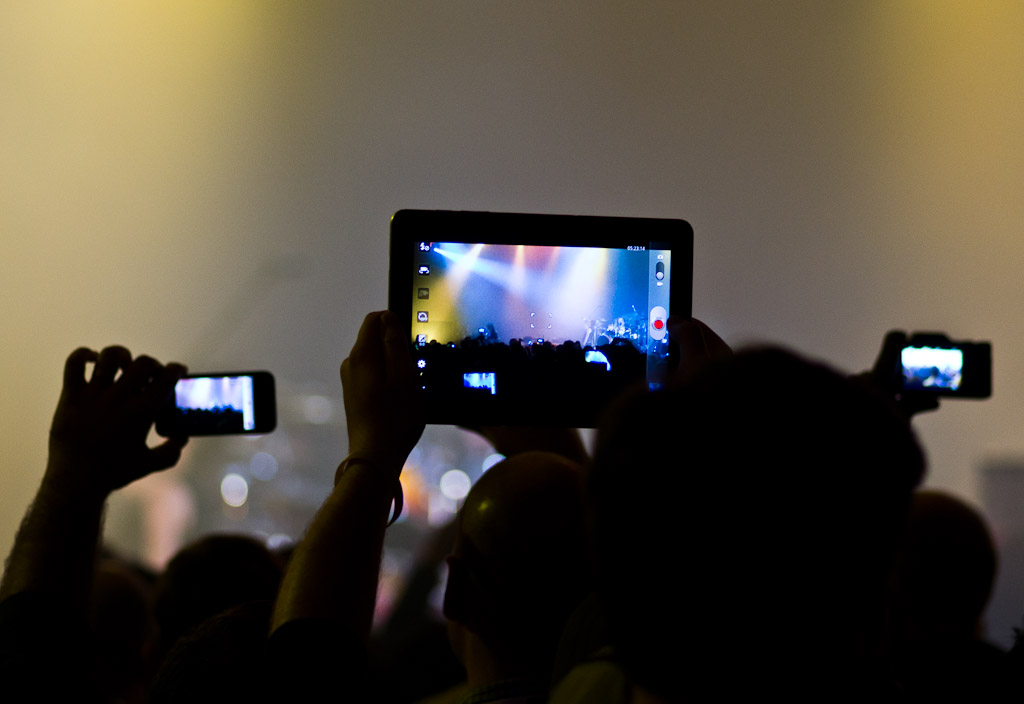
{"x": 947, "y": 570}
{"x": 211, "y": 576}
{"x": 521, "y": 560}
{"x": 121, "y": 617}
{"x": 746, "y": 522}
{"x": 220, "y": 660}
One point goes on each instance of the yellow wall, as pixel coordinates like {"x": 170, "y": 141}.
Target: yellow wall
{"x": 212, "y": 181}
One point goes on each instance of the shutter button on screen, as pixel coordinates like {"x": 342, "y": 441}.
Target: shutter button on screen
{"x": 658, "y": 317}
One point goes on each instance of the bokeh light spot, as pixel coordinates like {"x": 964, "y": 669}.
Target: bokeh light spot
{"x": 234, "y": 490}
{"x": 263, "y": 466}
{"x": 455, "y": 484}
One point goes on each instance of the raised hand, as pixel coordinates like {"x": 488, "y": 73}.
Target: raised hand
{"x": 384, "y": 419}
{"x": 99, "y": 430}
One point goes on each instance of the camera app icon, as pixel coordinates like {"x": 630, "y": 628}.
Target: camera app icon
{"x": 422, "y": 316}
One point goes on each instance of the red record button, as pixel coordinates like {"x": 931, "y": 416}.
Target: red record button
{"x": 657, "y": 322}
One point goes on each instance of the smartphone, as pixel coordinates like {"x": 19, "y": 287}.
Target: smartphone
{"x": 223, "y": 403}
{"x": 530, "y": 319}
{"x": 932, "y": 363}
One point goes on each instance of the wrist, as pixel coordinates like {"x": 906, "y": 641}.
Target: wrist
{"x": 385, "y": 480}
{"x": 383, "y": 459}
{"x": 71, "y": 482}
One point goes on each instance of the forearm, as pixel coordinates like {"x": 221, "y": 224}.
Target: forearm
{"x": 334, "y": 570}
{"x": 55, "y": 549}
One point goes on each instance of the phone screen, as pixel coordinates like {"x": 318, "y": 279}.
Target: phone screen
{"x": 217, "y": 403}
{"x": 220, "y": 404}
{"x": 932, "y": 368}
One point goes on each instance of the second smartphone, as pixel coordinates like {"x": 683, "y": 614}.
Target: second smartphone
{"x": 221, "y": 403}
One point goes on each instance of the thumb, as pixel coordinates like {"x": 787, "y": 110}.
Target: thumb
{"x": 166, "y": 454}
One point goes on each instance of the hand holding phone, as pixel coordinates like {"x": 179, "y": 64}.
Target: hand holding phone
{"x": 99, "y": 430}
{"x": 927, "y": 366}
{"x": 932, "y": 363}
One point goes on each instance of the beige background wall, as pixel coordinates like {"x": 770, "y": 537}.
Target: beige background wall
{"x": 211, "y": 181}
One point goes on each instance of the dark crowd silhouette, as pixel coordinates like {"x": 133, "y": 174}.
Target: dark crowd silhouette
{"x": 757, "y": 478}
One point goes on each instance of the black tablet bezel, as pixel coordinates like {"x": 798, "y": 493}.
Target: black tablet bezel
{"x": 409, "y": 227}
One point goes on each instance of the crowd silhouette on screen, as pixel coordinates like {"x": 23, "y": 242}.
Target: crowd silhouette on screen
{"x": 529, "y": 368}
{"x": 768, "y": 538}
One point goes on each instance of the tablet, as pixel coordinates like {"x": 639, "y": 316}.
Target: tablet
{"x": 524, "y": 319}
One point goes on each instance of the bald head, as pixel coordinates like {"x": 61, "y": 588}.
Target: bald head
{"x": 947, "y": 570}
{"x": 521, "y": 560}
{"x": 524, "y": 508}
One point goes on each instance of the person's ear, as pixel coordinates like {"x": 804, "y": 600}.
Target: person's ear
{"x": 462, "y": 594}
{"x": 454, "y": 590}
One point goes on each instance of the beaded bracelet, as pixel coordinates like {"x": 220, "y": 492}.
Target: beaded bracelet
{"x": 394, "y": 484}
